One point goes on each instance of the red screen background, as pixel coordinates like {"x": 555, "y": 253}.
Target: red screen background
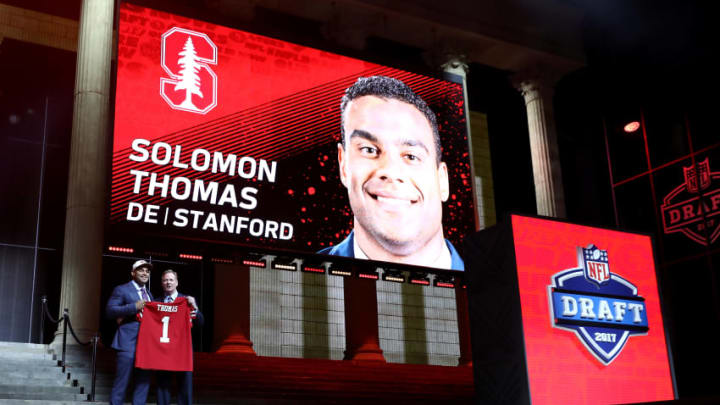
{"x": 560, "y": 369}
{"x": 276, "y": 101}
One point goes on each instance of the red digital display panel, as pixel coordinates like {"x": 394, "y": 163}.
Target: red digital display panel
{"x": 593, "y": 329}
{"x": 231, "y": 137}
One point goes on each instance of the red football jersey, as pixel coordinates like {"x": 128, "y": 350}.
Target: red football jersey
{"x": 164, "y": 341}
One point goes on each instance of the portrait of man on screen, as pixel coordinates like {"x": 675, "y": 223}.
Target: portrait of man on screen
{"x": 390, "y": 163}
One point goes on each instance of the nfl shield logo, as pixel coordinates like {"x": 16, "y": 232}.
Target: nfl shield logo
{"x": 603, "y": 317}
{"x": 595, "y": 264}
{"x": 699, "y": 179}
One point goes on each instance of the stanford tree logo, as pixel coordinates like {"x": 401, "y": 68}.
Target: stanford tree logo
{"x": 192, "y": 85}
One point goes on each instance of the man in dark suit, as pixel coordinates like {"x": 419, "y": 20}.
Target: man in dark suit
{"x": 125, "y": 302}
{"x": 184, "y": 378}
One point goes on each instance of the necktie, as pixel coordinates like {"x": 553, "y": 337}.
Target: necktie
{"x": 145, "y": 295}
{"x": 169, "y": 299}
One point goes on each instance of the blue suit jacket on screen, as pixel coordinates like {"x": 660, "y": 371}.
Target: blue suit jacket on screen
{"x": 345, "y": 248}
{"x": 122, "y": 305}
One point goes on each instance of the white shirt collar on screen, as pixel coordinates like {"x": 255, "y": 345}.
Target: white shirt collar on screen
{"x": 357, "y": 252}
{"x": 444, "y": 261}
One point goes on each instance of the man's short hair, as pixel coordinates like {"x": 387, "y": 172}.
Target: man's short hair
{"x": 169, "y": 271}
{"x": 388, "y": 88}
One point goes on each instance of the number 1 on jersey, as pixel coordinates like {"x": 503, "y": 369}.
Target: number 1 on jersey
{"x": 164, "y": 338}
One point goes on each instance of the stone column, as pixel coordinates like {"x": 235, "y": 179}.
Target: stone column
{"x": 457, "y": 66}
{"x": 549, "y": 194}
{"x": 82, "y": 255}
{"x": 361, "y": 321}
{"x": 232, "y": 309}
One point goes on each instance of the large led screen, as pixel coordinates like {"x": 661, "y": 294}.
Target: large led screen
{"x": 592, "y": 324}
{"x": 226, "y": 136}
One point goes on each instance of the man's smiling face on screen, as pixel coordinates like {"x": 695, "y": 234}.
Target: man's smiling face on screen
{"x": 395, "y": 180}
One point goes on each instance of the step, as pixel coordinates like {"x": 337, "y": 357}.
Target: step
{"x": 250, "y": 401}
{"x": 12, "y": 355}
{"x": 87, "y": 376}
{"x": 31, "y": 376}
{"x": 38, "y": 390}
{"x": 86, "y": 379}
{"x": 99, "y": 389}
{"x": 8, "y": 401}
{"x": 58, "y": 381}
{"x": 8, "y": 361}
{"x": 84, "y": 402}
{"x": 40, "y": 368}
{"x": 61, "y": 398}
{"x": 20, "y": 345}
{"x": 107, "y": 368}
{"x": 26, "y": 363}
{"x": 276, "y": 401}
{"x": 84, "y": 361}
{"x": 22, "y": 355}
{"x": 100, "y": 386}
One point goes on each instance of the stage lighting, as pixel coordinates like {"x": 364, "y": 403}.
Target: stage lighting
{"x": 393, "y": 275}
{"x": 310, "y": 267}
{"x": 221, "y": 260}
{"x": 254, "y": 260}
{"x": 631, "y": 127}
{"x": 368, "y": 274}
{"x": 444, "y": 281}
{"x": 190, "y": 256}
{"x": 284, "y": 263}
{"x": 339, "y": 271}
{"x": 419, "y": 278}
{"x": 120, "y": 249}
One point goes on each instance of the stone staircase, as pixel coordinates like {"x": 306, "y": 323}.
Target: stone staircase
{"x": 29, "y": 374}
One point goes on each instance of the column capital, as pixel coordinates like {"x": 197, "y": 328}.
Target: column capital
{"x": 456, "y": 63}
{"x": 532, "y": 89}
{"x": 448, "y": 56}
{"x": 535, "y": 80}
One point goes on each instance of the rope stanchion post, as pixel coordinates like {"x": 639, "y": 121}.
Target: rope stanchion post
{"x": 43, "y": 305}
{"x": 64, "y": 344}
{"x": 94, "y": 366}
